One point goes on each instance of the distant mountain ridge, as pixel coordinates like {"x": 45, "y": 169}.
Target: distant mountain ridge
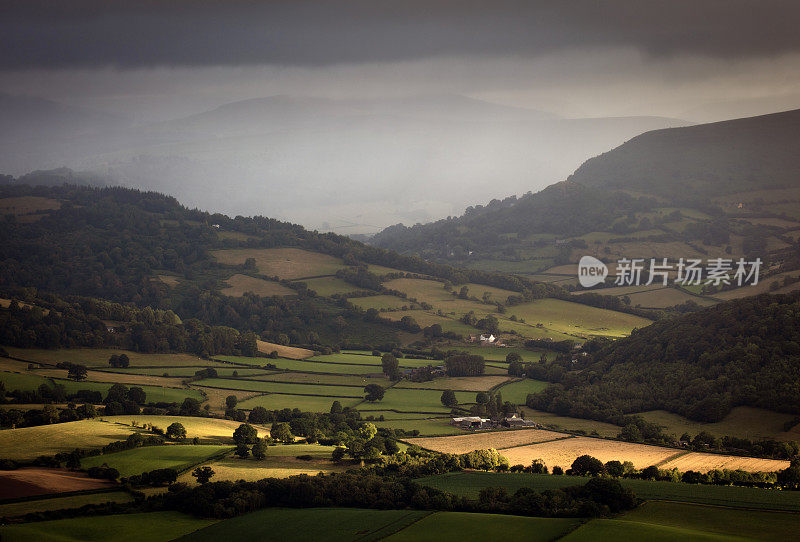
{"x": 351, "y": 165}
{"x": 685, "y": 166}
{"x": 706, "y": 159}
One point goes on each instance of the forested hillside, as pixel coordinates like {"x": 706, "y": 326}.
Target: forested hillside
{"x": 745, "y": 352}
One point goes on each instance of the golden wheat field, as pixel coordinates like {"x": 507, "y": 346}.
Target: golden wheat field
{"x": 289, "y": 352}
{"x": 701, "y": 462}
{"x": 204, "y": 428}
{"x": 31, "y": 442}
{"x": 564, "y": 452}
{"x": 286, "y": 263}
{"x": 460, "y": 444}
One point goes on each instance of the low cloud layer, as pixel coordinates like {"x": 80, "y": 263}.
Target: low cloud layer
{"x": 125, "y": 33}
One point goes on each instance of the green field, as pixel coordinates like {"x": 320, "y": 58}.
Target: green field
{"x": 189, "y": 371}
{"x": 465, "y": 526}
{"x": 426, "y": 427}
{"x": 379, "y": 302}
{"x": 13, "y": 509}
{"x": 316, "y": 378}
{"x": 517, "y": 392}
{"x": 305, "y": 366}
{"x": 310, "y": 524}
{"x": 20, "y": 381}
{"x": 285, "y": 263}
{"x": 407, "y": 400}
{"x": 284, "y": 387}
{"x": 139, "y": 460}
{"x": 98, "y": 357}
{"x": 717, "y": 520}
{"x": 328, "y": 286}
{"x": 575, "y": 318}
{"x": 469, "y": 484}
{"x": 150, "y": 526}
{"x": 303, "y": 402}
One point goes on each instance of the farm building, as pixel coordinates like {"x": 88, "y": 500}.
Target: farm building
{"x": 471, "y": 422}
{"x": 516, "y": 421}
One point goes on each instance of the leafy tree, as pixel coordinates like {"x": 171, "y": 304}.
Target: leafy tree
{"x": 587, "y": 465}
{"x": 259, "y": 415}
{"x": 391, "y": 367}
{"x": 242, "y": 450}
{"x": 77, "y": 372}
{"x": 338, "y": 453}
{"x": 511, "y": 357}
{"x": 176, "y": 431}
{"x": 282, "y": 432}
{"x": 260, "y": 449}
{"x": 336, "y": 407}
{"x": 190, "y": 407}
{"x": 449, "y": 398}
{"x": 245, "y": 434}
{"x": 374, "y": 392}
{"x": 137, "y": 395}
{"x": 231, "y": 401}
{"x": 203, "y": 474}
{"x": 482, "y": 398}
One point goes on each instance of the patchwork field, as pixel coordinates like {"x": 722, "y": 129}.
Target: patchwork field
{"x": 303, "y": 402}
{"x": 239, "y": 284}
{"x": 575, "y": 318}
{"x": 328, "y": 286}
{"x": 203, "y": 428}
{"x": 405, "y": 400}
{"x": 31, "y": 442}
{"x": 457, "y": 383}
{"x": 281, "y": 461}
{"x": 284, "y": 387}
{"x": 480, "y": 441}
{"x": 98, "y": 357}
{"x": 316, "y": 378}
{"x": 150, "y": 526}
{"x": 285, "y": 263}
{"x": 425, "y": 426}
{"x": 307, "y": 366}
{"x": 139, "y": 460}
{"x": 517, "y": 392}
{"x": 427, "y": 318}
{"x": 702, "y": 462}
{"x": 290, "y": 352}
{"x": 563, "y": 452}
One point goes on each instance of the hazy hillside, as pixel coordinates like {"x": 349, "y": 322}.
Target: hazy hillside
{"x": 727, "y": 189}
{"x": 355, "y": 166}
{"x": 705, "y": 160}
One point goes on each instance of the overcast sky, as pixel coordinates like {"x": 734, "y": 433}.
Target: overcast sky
{"x": 696, "y": 60}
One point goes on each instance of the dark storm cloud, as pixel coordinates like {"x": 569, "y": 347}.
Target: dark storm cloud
{"x": 127, "y": 33}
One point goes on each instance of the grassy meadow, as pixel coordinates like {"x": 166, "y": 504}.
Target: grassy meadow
{"x": 139, "y": 460}
{"x": 150, "y": 526}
